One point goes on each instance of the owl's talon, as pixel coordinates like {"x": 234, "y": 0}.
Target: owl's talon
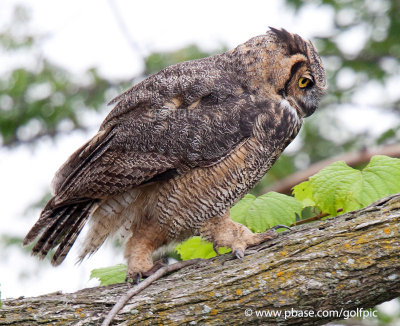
{"x": 133, "y": 278}
{"x": 239, "y": 254}
{"x": 280, "y": 226}
{"x": 215, "y": 248}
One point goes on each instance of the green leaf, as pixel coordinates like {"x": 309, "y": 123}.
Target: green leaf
{"x": 110, "y": 275}
{"x": 339, "y": 186}
{"x": 333, "y": 188}
{"x": 270, "y": 209}
{"x": 303, "y": 192}
{"x": 381, "y": 178}
{"x": 241, "y": 209}
{"x": 196, "y": 247}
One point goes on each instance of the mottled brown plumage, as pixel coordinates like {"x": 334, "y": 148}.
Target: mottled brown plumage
{"x": 180, "y": 148}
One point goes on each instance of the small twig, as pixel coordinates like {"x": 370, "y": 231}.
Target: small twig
{"x": 315, "y": 218}
{"x": 123, "y": 27}
{"x": 141, "y": 286}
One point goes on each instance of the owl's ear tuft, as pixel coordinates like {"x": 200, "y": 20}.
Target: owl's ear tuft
{"x": 293, "y": 42}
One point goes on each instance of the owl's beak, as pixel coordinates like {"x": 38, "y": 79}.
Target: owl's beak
{"x": 293, "y": 103}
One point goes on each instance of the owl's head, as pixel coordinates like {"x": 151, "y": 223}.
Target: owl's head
{"x": 285, "y": 67}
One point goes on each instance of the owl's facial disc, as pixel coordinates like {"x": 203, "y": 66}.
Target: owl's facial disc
{"x": 300, "y": 89}
{"x": 298, "y": 75}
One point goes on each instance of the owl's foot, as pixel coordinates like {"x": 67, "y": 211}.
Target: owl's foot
{"x": 138, "y": 267}
{"x": 257, "y": 239}
{"x": 139, "y": 259}
{"x": 139, "y": 251}
{"x": 215, "y": 248}
{"x": 135, "y": 277}
{"x": 157, "y": 265}
{"x": 223, "y": 232}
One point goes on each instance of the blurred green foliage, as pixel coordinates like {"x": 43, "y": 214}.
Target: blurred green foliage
{"x": 377, "y": 23}
{"x": 45, "y": 102}
{"x": 159, "y": 60}
{"x": 44, "y": 99}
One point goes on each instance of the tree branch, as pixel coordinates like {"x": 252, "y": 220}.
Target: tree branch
{"x": 346, "y": 262}
{"x": 144, "y": 284}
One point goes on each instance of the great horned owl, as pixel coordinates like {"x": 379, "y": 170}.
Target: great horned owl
{"x": 180, "y": 148}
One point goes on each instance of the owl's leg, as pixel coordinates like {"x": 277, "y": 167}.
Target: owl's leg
{"x": 223, "y": 232}
{"x": 139, "y": 251}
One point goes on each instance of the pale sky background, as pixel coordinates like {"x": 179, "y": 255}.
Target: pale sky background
{"x": 84, "y": 34}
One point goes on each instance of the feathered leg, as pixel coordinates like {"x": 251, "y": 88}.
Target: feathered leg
{"x": 223, "y": 232}
{"x": 140, "y": 247}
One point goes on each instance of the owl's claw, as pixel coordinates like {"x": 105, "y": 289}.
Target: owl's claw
{"x": 215, "y": 248}
{"x": 267, "y": 235}
{"x": 136, "y": 273}
{"x": 239, "y": 254}
{"x": 280, "y": 226}
{"x": 133, "y": 278}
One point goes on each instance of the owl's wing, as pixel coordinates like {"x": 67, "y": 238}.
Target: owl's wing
{"x": 175, "y": 120}
{"x": 102, "y": 168}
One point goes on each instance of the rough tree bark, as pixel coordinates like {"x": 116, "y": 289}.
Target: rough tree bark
{"x": 347, "y": 262}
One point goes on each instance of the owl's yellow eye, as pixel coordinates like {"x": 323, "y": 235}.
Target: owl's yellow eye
{"x": 304, "y": 82}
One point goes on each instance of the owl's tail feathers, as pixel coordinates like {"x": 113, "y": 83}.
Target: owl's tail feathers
{"x": 58, "y": 225}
